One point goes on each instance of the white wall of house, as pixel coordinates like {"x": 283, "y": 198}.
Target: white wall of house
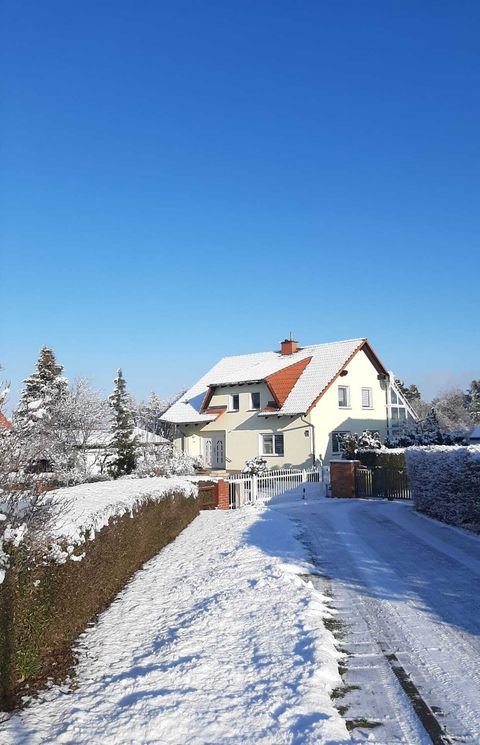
{"x": 328, "y": 416}
{"x": 243, "y": 430}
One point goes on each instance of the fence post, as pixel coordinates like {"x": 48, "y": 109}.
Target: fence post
{"x": 223, "y": 495}
{"x": 254, "y": 488}
{"x": 304, "y": 476}
{"x": 342, "y": 477}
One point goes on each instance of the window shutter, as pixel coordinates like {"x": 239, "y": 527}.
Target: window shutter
{"x": 366, "y": 398}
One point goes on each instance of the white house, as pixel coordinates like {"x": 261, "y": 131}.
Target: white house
{"x": 474, "y": 436}
{"x": 289, "y": 406}
{"x": 97, "y": 451}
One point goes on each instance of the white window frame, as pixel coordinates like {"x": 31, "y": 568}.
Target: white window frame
{"x": 273, "y": 435}
{"x": 231, "y": 407}
{"x": 370, "y": 398}
{"x": 338, "y": 450}
{"x": 347, "y": 389}
{"x": 252, "y": 407}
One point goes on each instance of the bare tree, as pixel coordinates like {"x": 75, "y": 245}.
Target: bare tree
{"x": 79, "y": 421}
{"x": 149, "y": 415}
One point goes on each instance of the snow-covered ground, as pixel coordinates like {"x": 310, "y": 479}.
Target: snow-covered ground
{"x": 218, "y": 639}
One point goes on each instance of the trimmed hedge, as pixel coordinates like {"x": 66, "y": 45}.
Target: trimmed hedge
{"x": 43, "y": 608}
{"x": 445, "y": 482}
{"x": 373, "y": 458}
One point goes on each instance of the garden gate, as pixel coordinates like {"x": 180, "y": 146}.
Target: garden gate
{"x": 382, "y": 482}
{"x": 248, "y": 488}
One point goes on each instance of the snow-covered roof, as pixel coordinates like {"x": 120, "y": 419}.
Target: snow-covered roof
{"x": 102, "y": 439}
{"x": 325, "y": 363}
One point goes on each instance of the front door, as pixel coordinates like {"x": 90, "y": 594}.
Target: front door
{"x": 214, "y": 450}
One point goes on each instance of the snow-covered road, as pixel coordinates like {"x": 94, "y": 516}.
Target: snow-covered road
{"x": 408, "y": 590}
{"x": 220, "y": 640}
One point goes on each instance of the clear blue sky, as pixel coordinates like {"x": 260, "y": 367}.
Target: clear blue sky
{"x": 186, "y": 180}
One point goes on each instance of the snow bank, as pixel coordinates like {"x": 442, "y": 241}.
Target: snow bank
{"x": 445, "y": 482}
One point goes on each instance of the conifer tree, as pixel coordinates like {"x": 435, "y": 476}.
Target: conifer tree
{"x": 43, "y": 391}
{"x": 123, "y": 443}
{"x": 473, "y": 401}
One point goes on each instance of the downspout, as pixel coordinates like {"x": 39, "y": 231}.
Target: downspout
{"x": 387, "y": 388}
{"x": 309, "y": 424}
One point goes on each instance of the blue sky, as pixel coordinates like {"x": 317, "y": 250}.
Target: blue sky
{"x": 186, "y": 180}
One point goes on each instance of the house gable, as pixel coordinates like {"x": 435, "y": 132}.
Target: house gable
{"x": 365, "y": 347}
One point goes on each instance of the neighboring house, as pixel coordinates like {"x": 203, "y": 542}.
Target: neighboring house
{"x": 289, "y": 406}
{"x": 474, "y": 436}
{"x": 4, "y": 422}
{"x": 98, "y": 453}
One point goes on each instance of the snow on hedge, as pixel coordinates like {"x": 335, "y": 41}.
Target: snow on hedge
{"x": 86, "y": 509}
{"x": 77, "y": 513}
{"x": 446, "y": 482}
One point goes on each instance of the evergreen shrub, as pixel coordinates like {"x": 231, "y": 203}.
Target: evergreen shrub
{"x": 445, "y": 482}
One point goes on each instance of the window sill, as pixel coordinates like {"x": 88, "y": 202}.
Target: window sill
{"x": 272, "y": 455}
{"x": 348, "y": 408}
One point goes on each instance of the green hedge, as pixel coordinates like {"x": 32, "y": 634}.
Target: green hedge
{"x": 44, "y": 608}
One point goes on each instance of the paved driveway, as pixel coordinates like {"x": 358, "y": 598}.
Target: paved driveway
{"x": 406, "y": 591}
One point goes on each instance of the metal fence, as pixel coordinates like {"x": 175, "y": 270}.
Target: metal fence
{"x": 382, "y": 482}
{"x": 248, "y": 489}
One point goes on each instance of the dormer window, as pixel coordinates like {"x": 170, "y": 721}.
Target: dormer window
{"x": 255, "y": 401}
{"x": 234, "y": 402}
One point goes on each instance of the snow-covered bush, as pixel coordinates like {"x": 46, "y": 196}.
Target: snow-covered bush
{"x": 165, "y": 461}
{"x": 255, "y": 466}
{"x": 351, "y": 442}
{"x": 425, "y": 431}
{"x": 445, "y": 482}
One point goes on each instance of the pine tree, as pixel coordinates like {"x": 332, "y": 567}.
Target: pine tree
{"x": 43, "y": 390}
{"x": 33, "y": 419}
{"x": 473, "y": 401}
{"x": 410, "y": 392}
{"x": 123, "y": 443}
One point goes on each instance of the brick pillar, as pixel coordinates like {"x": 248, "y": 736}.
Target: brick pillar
{"x": 342, "y": 477}
{"x": 223, "y": 501}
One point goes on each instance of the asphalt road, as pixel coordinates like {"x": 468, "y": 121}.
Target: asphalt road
{"x": 405, "y": 593}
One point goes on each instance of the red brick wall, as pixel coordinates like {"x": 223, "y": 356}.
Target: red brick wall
{"x": 223, "y": 495}
{"x": 342, "y": 477}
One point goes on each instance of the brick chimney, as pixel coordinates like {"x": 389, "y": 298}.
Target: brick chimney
{"x": 288, "y": 346}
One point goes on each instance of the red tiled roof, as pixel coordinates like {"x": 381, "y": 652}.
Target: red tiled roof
{"x": 4, "y": 422}
{"x": 282, "y": 382}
